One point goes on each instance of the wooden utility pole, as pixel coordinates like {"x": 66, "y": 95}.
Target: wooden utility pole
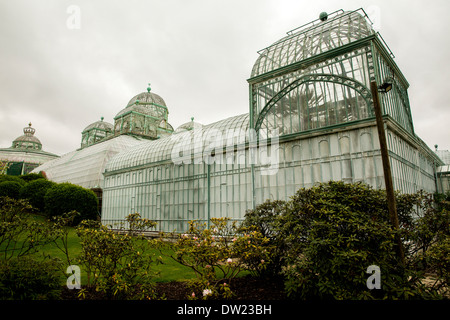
{"x": 387, "y": 170}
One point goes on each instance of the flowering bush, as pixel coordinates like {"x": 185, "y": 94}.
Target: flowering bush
{"x": 221, "y": 251}
{"x": 118, "y": 263}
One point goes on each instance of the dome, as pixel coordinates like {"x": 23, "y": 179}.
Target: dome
{"x": 143, "y": 103}
{"x": 145, "y": 115}
{"x": 28, "y": 140}
{"x": 328, "y": 32}
{"x": 96, "y": 132}
{"x": 188, "y": 126}
{"x": 102, "y": 125}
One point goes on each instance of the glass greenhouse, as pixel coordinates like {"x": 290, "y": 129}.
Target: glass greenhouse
{"x": 310, "y": 120}
{"x": 143, "y": 119}
{"x": 25, "y": 154}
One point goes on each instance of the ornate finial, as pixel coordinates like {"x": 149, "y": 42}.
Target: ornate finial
{"x": 192, "y": 119}
{"x": 29, "y": 130}
{"x": 102, "y": 118}
{"x": 323, "y": 16}
{"x": 137, "y": 101}
{"x": 149, "y": 88}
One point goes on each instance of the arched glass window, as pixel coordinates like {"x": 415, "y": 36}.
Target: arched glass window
{"x": 313, "y": 102}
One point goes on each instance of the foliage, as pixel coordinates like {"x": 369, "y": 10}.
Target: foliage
{"x": 66, "y": 197}
{"x": 29, "y": 279}
{"x": 221, "y": 251}
{"x": 265, "y": 218}
{"x": 429, "y": 240}
{"x": 20, "y": 233}
{"x": 10, "y": 189}
{"x": 118, "y": 264}
{"x": 334, "y": 232}
{"x": 35, "y": 191}
{"x": 4, "y": 166}
{"x": 31, "y": 177}
{"x": 4, "y": 177}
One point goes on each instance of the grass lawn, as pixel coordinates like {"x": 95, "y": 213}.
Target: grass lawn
{"x": 169, "y": 270}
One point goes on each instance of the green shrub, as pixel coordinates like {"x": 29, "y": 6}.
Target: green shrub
{"x": 31, "y": 177}
{"x": 20, "y": 233}
{"x": 334, "y": 232}
{"x": 35, "y": 191}
{"x": 28, "y": 279}
{"x": 219, "y": 252}
{"x": 4, "y": 177}
{"x": 66, "y": 197}
{"x": 265, "y": 218}
{"x": 118, "y": 265}
{"x": 10, "y": 189}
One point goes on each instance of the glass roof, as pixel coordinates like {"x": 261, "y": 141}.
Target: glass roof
{"x": 444, "y": 155}
{"x": 85, "y": 167}
{"x": 340, "y": 28}
{"x": 102, "y": 125}
{"x": 29, "y": 156}
{"x": 161, "y": 149}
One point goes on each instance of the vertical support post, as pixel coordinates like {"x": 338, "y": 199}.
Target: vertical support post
{"x": 392, "y": 207}
{"x": 208, "y": 209}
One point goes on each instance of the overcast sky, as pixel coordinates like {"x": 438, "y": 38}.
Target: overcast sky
{"x": 62, "y": 73}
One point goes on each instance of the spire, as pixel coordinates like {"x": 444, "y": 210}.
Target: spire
{"x": 29, "y": 131}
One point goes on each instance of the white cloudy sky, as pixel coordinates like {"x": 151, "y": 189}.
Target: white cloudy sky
{"x": 197, "y": 54}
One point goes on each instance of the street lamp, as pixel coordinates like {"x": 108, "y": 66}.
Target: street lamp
{"x": 386, "y": 165}
{"x": 385, "y": 87}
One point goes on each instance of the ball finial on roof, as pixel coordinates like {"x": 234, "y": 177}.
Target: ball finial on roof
{"x": 149, "y": 88}
{"x": 323, "y": 16}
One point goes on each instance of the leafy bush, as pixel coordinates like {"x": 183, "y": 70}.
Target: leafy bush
{"x": 31, "y": 177}
{"x": 28, "y": 279}
{"x": 334, "y": 232}
{"x": 265, "y": 219}
{"x": 20, "y": 233}
{"x": 4, "y": 177}
{"x": 66, "y": 197}
{"x": 219, "y": 252}
{"x": 118, "y": 264}
{"x": 10, "y": 189}
{"x": 35, "y": 191}
{"x": 429, "y": 241}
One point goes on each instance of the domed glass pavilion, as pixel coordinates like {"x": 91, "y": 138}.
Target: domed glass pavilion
{"x": 311, "y": 119}
{"x": 144, "y": 118}
{"x": 25, "y": 154}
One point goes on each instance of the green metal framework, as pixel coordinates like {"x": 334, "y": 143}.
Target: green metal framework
{"x": 146, "y": 115}
{"x": 96, "y": 132}
{"x": 313, "y": 88}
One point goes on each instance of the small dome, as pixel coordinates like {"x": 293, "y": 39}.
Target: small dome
{"x": 96, "y": 132}
{"x": 142, "y": 103}
{"x": 102, "y": 125}
{"x": 28, "y": 140}
{"x": 146, "y": 115}
{"x": 189, "y": 126}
